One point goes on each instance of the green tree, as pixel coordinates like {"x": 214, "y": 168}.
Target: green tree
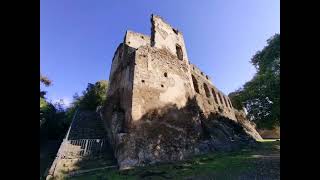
{"x": 261, "y": 95}
{"x": 46, "y": 82}
{"x": 53, "y": 119}
{"x": 95, "y": 95}
{"x": 92, "y": 97}
{"x": 44, "y": 105}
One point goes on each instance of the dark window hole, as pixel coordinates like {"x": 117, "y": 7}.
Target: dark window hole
{"x": 175, "y": 31}
{"x": 179, "y": 52}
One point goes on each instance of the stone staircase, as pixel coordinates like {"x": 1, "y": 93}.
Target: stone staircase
{"x": 87, "y": 125}
{"x": 84, "y": 148}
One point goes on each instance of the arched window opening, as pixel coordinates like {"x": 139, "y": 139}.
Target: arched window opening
{"x": 214, "y": 95}
{"x": 179, "y": 52}
{"x": 175, "y": 31}
{"x": 195, "y": 84}
{"x": 230, "y": 103}
{"x": 225, "y": 101}
{"x": 206, "y": 89}
{"x": 220, "y": 98}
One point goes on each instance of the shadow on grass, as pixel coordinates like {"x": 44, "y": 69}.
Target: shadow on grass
{"x": 89, "y": 163}
{"x": 218, "y": 165}
{"x": 48, "y": 152}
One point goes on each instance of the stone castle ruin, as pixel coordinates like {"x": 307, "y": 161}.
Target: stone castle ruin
{"x": 159, "y": 107}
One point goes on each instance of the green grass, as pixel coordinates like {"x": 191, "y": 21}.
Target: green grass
{"x": 218, "y": 165}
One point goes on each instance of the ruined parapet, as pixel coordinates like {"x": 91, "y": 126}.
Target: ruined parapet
{"x": 160, "y": 107}
{"x": 197, "y": 71}
{"x": 210, "y": 99}
{"x": 136, "y": 40}
{"x": 163, "y": 36}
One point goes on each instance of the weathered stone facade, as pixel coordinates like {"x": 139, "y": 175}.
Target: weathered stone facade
{"x": 160, "y": 107}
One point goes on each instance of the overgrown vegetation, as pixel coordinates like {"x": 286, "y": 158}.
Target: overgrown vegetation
{"x": 261, "y": 95}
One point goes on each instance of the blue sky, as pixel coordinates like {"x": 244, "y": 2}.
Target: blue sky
{"x": 79, "y": 37}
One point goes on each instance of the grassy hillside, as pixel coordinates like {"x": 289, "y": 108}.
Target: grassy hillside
{"x": 259, "y": 162}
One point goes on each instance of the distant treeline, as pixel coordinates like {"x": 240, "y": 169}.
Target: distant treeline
{"x": 55, "y": 119}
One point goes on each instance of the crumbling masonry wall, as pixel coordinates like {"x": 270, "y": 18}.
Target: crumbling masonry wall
{"x": 161, "y": 78}
{"x": 159, "y": 106}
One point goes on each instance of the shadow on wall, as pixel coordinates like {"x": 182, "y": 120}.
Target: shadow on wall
{"x": 172, "y": 133}
{"x": 164, "y": 135}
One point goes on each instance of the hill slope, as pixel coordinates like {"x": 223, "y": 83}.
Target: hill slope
{"x": 262, "y": 162}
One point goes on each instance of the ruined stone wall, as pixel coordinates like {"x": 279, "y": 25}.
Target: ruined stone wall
{"x": 136, "y": 40}
{"x": 163, "y": 36}
{"x": 160, "y": 107}
{"x": 150, "y": 73}
{"x": 117, "y": 110}
{"x": 209, "y": 98}
{"x": 160, "y": 79}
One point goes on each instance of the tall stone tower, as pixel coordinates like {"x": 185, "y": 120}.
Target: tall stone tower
{"x": 160, "y": 107}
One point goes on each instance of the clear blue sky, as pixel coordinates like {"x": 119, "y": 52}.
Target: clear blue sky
{"x": 79, "y": 37}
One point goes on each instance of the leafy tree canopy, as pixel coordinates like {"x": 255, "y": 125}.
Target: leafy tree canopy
{"x": 92, "y": 97}
{"x": 53, "y": 121}
{"x": 261, "y": 95}
{"x": 45, "y": 80}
